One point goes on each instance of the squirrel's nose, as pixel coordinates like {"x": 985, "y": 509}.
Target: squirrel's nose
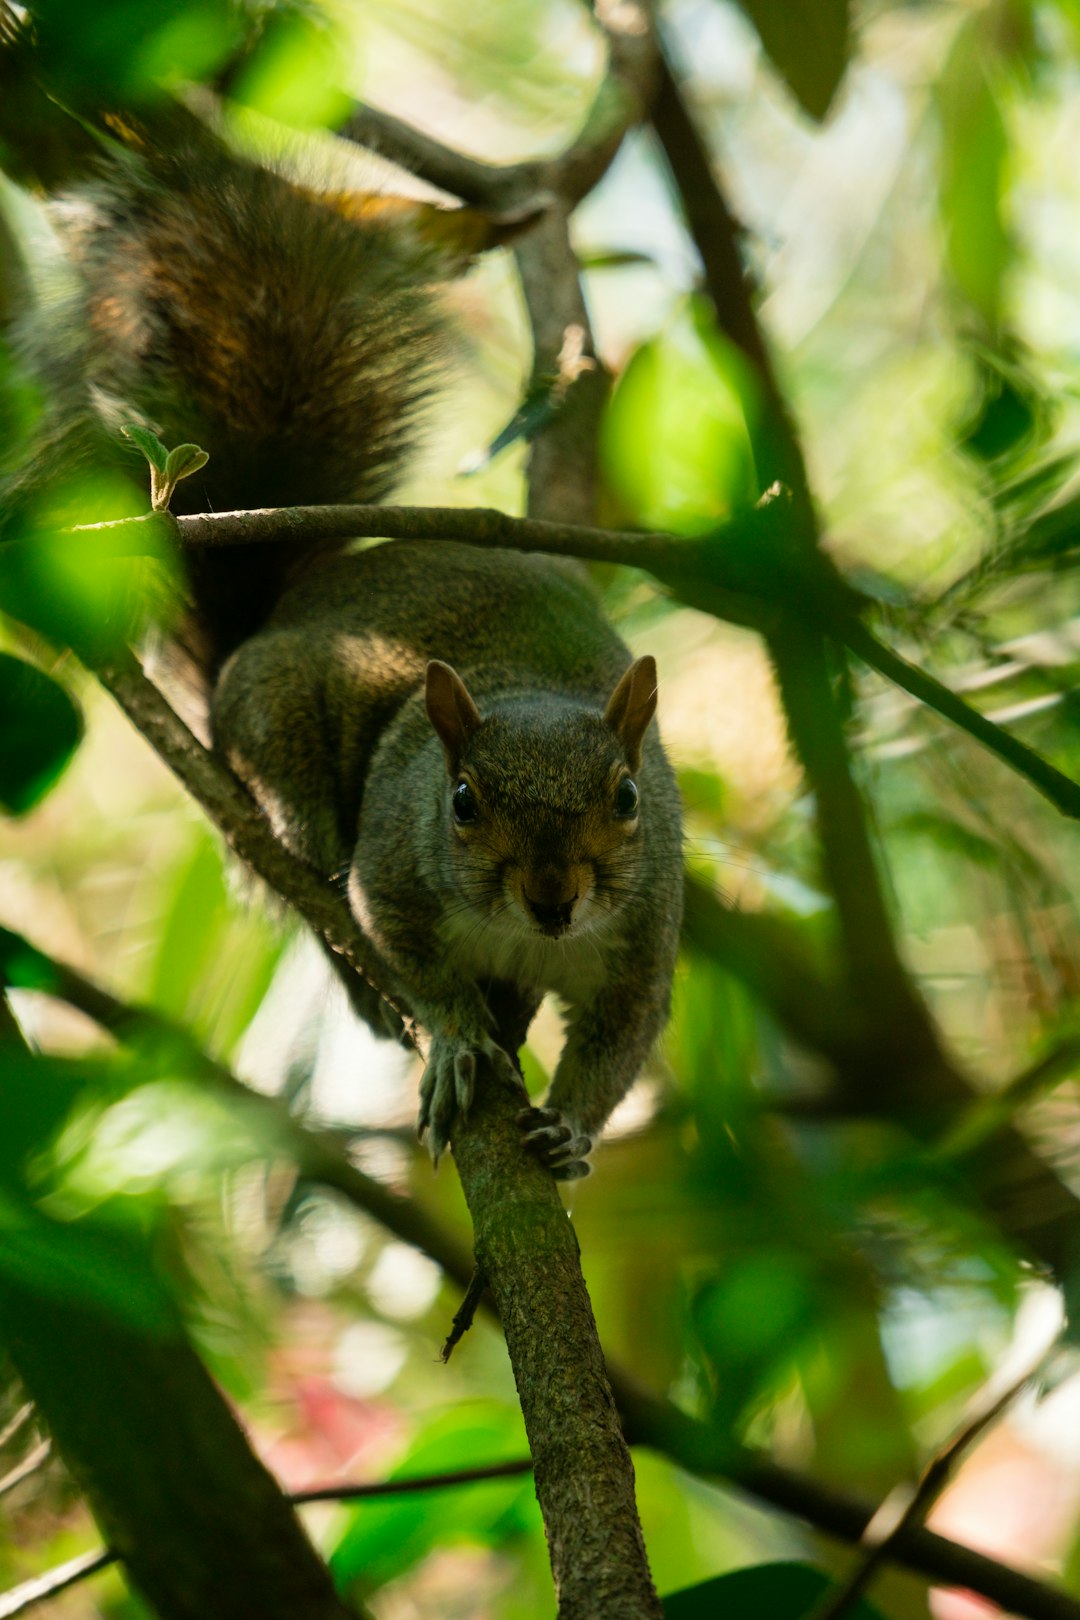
{"x": 553, "y": 918}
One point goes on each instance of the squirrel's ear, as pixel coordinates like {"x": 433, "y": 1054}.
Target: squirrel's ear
{"x": 632, "y": 705}
{"x": 450, "y": 709}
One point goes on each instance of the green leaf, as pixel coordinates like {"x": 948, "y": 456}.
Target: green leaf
{"x": 389, "y": 1536}
{"x": 149, "y": 443}
{"x": 40, "y": 728}
{"x": 676, "y": 437}
{"x": 974, "y": 154}
{"x": 94, "y": 588}
{"x": 37, "y": 1098}
{"x": 296, "y": 70}
{"x": 808, "y": 42}
{"x": 778, "y": 1591}
{"x": 80, "y": 1263}
{"x": 183, "y": 461}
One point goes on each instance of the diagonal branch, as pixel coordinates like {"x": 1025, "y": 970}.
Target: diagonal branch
{"x": 524, "y": 1242}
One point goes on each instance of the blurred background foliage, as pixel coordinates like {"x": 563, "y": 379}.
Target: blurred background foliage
{"x": 811, "y": 1278}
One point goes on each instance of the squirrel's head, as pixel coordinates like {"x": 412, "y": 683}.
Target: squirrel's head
{"x": 544, "y": 811}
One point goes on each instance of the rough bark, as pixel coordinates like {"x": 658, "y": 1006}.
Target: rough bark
{"x": 528, "y": 1252}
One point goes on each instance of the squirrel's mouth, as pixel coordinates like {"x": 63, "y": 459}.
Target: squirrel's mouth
{"x": 553, "y": 919}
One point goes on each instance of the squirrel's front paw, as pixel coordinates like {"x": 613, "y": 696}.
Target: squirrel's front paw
{"x": 449, "y": 1084}
{"x": 556, "y": 1144}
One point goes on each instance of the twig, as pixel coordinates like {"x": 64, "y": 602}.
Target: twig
{"x": 54, "y": 1581}
{"x": 908, "y": 1505}
{"x": 1062, "y": 792}
{"x": 407, "y": 1487}
{"x": 16, "y": 1422}
{"x": 29, "y": 1465}
{"x": 465, "y": 1313}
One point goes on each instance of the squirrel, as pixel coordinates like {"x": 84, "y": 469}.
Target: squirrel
{"x": 460, "y": 730}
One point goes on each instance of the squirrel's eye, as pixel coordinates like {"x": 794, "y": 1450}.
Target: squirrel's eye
{"x": 626, "y": 798}
{"x": 464, "y": 803}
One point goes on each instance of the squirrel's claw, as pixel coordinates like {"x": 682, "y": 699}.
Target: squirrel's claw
{"x": 561, "y": 1150}
{"x": 448, "y": 1085}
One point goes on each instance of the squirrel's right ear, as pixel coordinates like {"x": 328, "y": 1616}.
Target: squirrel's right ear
{"x": 450, "y": 709}
{"x": 632, "y": 705}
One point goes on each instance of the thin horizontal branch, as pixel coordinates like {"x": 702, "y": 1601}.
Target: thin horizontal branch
{"x": 744, "y": 571}
{"x": 409, "y": 1487}
{"x": 24, "y": 1596}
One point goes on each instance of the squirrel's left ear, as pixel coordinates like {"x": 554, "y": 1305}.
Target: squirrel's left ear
{"x": 450, "y": 709}
{"x": 631, "y": 707}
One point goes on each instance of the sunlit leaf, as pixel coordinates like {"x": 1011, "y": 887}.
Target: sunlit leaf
{"x": 973, "y": 158}
{"x": 296, "y": 71}
{"x": 79, "y": 589}
{"x": 676, "y": 439}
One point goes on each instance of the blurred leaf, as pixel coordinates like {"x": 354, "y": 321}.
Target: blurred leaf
{"x": 1008, "y": 415}
{"x": 83, "y": 1263}
{"x": 386, "y": 1537}
{"x": 973, "y": 157}
{"x": 79, "y": 589}
{"x": 37, "y": 1097}
{"x": 775, "y": 1591}
{"x": 676, "y": 437}
{"x": 750, "y": 1323}
{"x": 40, "y": 728}
{"x": 214, "y": 960}
{"x": 614, "y": 259}
{"x": 20, "y": 402}
{"x": 123, "y": 49}
{"x": 295, "y": 72}
{"x": 808, "y": 43}
{"x": 703, "y": 792}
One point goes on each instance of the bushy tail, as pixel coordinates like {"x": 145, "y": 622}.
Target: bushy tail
{"x": 221, "y": 304}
